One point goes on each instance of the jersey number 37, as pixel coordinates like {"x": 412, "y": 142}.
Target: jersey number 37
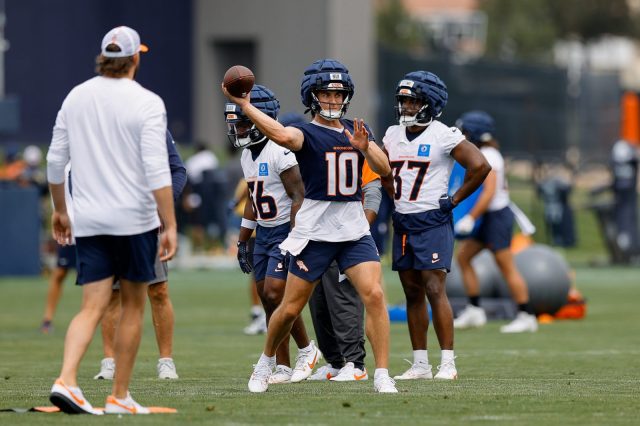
{"x": 397, "y": 166}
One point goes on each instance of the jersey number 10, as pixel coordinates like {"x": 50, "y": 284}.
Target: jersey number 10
{"x": 342, "y": 173}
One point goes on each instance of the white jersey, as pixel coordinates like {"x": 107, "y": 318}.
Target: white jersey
{"x": 329, "y": 221}
{"x": 271, "y": 203}
{"x": 500, "y": 199}
{"x": 422, "y": 167}
{"x": 114, "y": 133}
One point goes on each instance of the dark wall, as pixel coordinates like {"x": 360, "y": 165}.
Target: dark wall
{"x": 534, "y": 114}
{"x": 54, "y": 45}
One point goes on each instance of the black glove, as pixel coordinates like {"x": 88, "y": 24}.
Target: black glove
{"x": 244, "y": 257}
{"x": 446, "y": 203}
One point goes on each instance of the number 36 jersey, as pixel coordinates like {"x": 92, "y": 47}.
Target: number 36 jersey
{"x": 421, "y": 168}
{"x": 271, "y": 203}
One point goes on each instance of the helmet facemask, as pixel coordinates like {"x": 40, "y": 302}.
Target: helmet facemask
{"x": 242, "y": 132}
{"x": 335, "y": 111}
{"x": 406, "y": 118}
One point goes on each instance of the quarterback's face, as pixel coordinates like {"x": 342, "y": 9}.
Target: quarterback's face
{"x": 330, "y": 98}
{"x": 410, "y": 105}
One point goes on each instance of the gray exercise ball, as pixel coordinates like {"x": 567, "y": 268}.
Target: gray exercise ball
{"x": 547, "y": 276}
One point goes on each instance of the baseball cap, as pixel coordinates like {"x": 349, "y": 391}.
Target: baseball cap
{"x": 127, "y": 39}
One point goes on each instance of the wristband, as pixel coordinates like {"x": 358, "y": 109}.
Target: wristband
{"x": 249, "y": 224}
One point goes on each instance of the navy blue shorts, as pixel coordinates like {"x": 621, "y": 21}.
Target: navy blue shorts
{"x": 66, "y": 257}
{"x": 131, "y": 257}
{"x": 423, "y": 250}
{"x": 318, "y": 255}
{"x": 267, "y": 258}
{"x": 495, "y": 230}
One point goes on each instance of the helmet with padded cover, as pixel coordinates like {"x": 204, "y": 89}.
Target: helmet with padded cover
{"x": 241, "y": 131}
{"x": 426, "y": 87}
{"x": 326, "y": 74}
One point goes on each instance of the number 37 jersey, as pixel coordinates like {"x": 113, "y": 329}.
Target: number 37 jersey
{"x": 271, "y": 203}
{"x": 421, "y": 168}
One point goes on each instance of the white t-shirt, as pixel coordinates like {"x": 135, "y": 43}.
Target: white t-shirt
{"x": 263, "y": 177}
{"x": 422, "y": 167}
{"x": 500, "y": 199}
{"x": 113, "y": 131}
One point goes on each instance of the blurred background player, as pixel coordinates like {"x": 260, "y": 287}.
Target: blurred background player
{"x": 200, "y": 167}
{"x": 331, "y": 224}
{"x": 66, "y": 260}
{"x": 157, "y": 291}
{"x": 337, "y": 310}
{"x": 421, "y": 152}
{"x": 276, "y": 193}
{"x": 494, "y": 233}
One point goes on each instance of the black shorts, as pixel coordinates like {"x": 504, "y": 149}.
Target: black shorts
{"x": 496, "y": 229}
{"x": 131, "y": 257}
{"x": 66, "y": 257}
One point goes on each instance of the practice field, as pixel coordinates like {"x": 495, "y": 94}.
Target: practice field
{"x": 570, "y": 372}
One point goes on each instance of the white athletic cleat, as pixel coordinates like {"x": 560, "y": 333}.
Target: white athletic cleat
{"x": 522, "y": 323}
{"x": 259, "y": 381}
{"x": 418, "y": 370}
{"x": 70, "y": 400}
{"x": 326, "y": 372}
{"x": 257, "y": 326}
{"x": 107, "y": 369}
{"x": 167, "y": 369}
{"x": 447, "y": 371}
{"x": 124, "y": 406}
{"x": 281, "y": 375}
{"x": 350, "y": 373}
{"x": 384, "y": 384}
{"x": 470, "y": 317}
{"x": 305, "y": 362}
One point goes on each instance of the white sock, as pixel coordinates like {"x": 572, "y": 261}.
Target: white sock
{"x": 308, "y": 348}
{"x": 447, "y": 356}
{"x": 420, "y": 356}
{"x": 269, "y": 360}
{"x": 256, "y": 310}
{"x": 380, "y": 372}
{"x": 165, "y": 359}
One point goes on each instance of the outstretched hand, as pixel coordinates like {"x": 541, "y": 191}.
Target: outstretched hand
{"x": 360, "y": 137}
{"x": 236, "y": 100}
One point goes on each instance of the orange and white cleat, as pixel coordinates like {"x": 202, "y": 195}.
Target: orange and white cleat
{"x": 349, "y": 373}
{"x": 124, "y": 406}
{"x": 70, "y": 399}
{"x": 305, "y": 362}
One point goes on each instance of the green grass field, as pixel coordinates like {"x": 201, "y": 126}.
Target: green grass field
{"x": 570, "y": 372}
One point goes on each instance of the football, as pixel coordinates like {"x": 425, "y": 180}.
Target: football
{"x": 238, "y": 80}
